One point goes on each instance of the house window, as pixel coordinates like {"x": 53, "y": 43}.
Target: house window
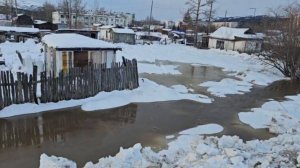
{"x": 220, "y": 44}
{"x": 62, "y": 16}
{"x": 257, "y": 45}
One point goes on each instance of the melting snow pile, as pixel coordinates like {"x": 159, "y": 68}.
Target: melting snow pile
{"x": 55, "y": 162}
{"x": 279, "y": 117}
{"x": 198, "y": 151}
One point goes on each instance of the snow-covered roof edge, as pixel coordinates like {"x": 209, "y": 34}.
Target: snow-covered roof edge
{"x": 228, "y": 33}
{"x": 76, "y": 41}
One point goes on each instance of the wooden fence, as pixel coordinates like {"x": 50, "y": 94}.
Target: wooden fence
{"x": 85, "y": 82}
{"x": 17, "y": 89}
{"x": 77, "y": 83}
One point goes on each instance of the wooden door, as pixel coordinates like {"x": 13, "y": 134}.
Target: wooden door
{"x": 81, "y": 58}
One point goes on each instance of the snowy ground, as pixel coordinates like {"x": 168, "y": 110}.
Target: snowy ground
{"x": 190, "y": 148}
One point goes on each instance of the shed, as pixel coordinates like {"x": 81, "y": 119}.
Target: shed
{"x": 122, "y": 35}
{"x": 104, "y": 32}
{"x": 236, "y": 39}
{"x": 18, "y": 34}
{"x": 44, "y": 25}
{"x": 64, "y": 51}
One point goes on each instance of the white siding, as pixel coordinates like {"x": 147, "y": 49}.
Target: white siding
{"x": 111, "y": 57}
{"x": 212, "y": 43}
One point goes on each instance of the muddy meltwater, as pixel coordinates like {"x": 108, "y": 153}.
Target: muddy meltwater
{"x": 87, "y": 136}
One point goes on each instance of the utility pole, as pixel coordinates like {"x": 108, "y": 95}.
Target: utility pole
{"x": 70, "y": 14}
{"x": 254, "y": 10}
{"x": 16, "y": 9}
{"x": 196, "y": 22}
{"x": 150, "y": 19}
{"x": 209, "y": 18}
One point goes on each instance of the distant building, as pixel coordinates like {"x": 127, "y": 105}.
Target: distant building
{"x": 236, "y": 39}
{"x": 22, "y": 20}
{"x": 87, "y": 20}
{"x": 104, "y": 32}
{"x": 122, "y": 35}
{"x": 219, "y": 24}
{"x": 88, "y": 33}
{"x": 44, "y": 25}
{"x": 18, "y": 34}
{"x": 65, "y": 51}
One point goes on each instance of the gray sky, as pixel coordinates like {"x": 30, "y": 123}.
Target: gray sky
{"x": 174, "y": 9}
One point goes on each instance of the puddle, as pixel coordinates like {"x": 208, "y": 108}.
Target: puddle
{"x": 87, "y": 136}
{"x": 192, "y": 76}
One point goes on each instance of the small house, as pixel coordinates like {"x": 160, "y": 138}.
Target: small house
{"x": 236, "y": 39}
{"x": 18, "y": 34}
{"x": 119, "y": 35}
{"x": 104, "y": 32}
{"x": 65, "y": 51}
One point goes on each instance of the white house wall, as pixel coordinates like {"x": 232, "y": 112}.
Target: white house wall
{"x": 212, "y": 43}
{"x": 240, "y": 46}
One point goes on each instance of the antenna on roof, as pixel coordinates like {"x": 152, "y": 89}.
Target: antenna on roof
{"x": 150, "y": 19}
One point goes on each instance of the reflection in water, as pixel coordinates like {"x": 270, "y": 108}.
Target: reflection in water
{"x": 88, "y": 136}
{"x": 31, "y": 131}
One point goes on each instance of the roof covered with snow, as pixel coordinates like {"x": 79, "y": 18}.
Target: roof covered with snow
{"x": 233, "y": 33}
{"x": 123, "y": 31}
{"x": 107, "y": 27}
{"x": 19, "y": 29}
{"x": 72, "y": 41}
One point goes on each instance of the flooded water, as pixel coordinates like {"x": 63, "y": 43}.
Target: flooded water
{"x": 87, "y": 136}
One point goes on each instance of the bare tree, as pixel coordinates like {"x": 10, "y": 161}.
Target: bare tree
{"x": 45, "y": 12}
{"x": 195, "y": 10}
{"x": 209, "y": 13}
{"x": 282, "y": 41}
{"x": 65, "y": 7}
{"x": 78, "y": 8}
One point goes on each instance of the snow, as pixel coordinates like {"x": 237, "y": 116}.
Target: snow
{"x": 19, "y": 29}
{"x": 278, "y": 117}
{"x": 123, "y": 31}
{"x": 30, "y": 53}
{"x": 55, "y": 162}
{"x": 72, "y": 40}
{"x": 107, "y": 27}
{"x": 227, "y": 86}
{"x": 147, "y": 92}
{"x": 203, "y": 129}
{"x": 248, "y": 70}
{"x": 198, "y": 151}
{"x": 231, "y": 33}
{"x": 39, "y": 21}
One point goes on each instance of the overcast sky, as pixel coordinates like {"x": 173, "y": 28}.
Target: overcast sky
{"x": 174, "y": 9}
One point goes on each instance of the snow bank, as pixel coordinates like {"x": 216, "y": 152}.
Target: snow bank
{"x": 227, "y": 86}
{"x": 203, "y": 129}
{"x": 55, "y": 162}
{"x": 147, "y": 92}
{"x": 31, "y": 53}
{"x": 198, "y": 151}
{"x": 279, "y": 117}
